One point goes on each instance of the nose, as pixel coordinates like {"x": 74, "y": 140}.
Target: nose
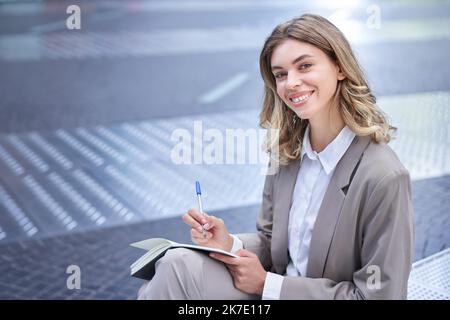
{"x": 293, "y": 80}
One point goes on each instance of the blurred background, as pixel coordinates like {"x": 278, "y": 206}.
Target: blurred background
{"x": 87, "y": 115}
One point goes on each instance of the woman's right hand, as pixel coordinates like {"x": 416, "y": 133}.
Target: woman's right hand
{"x": 215, "y": 235}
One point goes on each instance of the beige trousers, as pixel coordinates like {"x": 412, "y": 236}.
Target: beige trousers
{"x": 187, "y": 274}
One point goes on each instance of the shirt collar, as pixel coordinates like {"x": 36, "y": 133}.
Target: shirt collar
{"x": 330, "y": 156}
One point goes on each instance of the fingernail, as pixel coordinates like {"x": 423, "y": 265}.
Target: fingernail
{"x": 200, "y": 229}
{"x": 206, "y": 226}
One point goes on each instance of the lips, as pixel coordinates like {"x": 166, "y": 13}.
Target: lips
{"x": 300, "y": 98}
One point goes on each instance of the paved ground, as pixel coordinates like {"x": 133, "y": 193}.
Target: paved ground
{"x": 36, "y": 269}
{"x": 87, "y": 117}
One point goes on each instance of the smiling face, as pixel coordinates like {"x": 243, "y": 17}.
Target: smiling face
{"x": 306, "y": 78}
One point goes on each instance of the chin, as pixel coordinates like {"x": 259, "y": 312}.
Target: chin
{"x": 302, "y": 115}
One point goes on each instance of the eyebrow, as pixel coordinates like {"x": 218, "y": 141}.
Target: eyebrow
{"x": 303, "y": 56}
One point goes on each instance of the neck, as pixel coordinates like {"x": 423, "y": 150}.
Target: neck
{"x": 324, "y": 129}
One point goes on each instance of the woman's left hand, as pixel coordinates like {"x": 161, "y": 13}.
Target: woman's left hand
{"x": 247, "y": 271}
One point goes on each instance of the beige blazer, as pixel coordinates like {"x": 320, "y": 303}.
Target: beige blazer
{"x": 363, "y": 239}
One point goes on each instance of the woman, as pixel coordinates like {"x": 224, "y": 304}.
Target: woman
{"x": 336, "y": 220}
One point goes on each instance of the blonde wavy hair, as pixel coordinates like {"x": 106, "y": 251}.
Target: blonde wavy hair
{"x": 353, "y": 97}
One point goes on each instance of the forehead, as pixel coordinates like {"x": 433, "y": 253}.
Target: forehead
{"x": 289, "y": 50}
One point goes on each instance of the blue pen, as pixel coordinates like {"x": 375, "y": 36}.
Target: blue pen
{"x": 199, "y": 198}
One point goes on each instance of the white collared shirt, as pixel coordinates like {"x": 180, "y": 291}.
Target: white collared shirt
{"x": 312, "y": 182}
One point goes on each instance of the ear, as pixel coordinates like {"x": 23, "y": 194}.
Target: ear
{"x": 340, "y": 74}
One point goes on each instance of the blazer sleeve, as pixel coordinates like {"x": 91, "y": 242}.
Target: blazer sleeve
{"x": 259, "y": 243}
{"x": 386, "y": 252}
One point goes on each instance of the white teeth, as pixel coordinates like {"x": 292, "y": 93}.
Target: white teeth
{"x": 298, "y": 99}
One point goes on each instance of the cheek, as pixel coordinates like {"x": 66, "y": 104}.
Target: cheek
{"x": 281, "y": 91}
{"x": 313, "y": 80}
{"x": 326, "y": 83}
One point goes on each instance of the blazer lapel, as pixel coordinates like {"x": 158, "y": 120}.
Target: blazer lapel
{"x": 330, "y": 209}
{"x": 283, "y": 196}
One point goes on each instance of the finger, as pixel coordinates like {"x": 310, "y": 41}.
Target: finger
{"x": 213, "y": 221}
{"x": 245, "y": 253}
{"x": 196, "y": 215}
{"x": 232, "y": 269}
{"x": 192, "y": 222}
{"x": 232, "y": 272}
{"x": 209, "y": 224}
{"x": 225, "y": 259}
{"x": 201, "y": 235}
{"x": 199, "y": 240}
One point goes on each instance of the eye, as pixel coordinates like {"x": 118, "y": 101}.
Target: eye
{"x": 305, "y": 66}
{"x": 279, "y": 75}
